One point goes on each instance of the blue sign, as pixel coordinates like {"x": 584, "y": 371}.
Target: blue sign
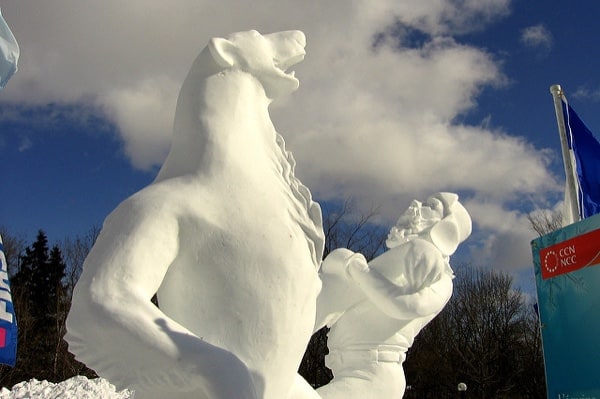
{"x": 567, "y": 272}
{"x": 8, "y": 321}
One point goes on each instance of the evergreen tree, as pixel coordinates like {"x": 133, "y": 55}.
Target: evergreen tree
{"x": 40, "y": 278}
{"x": 26, "y": 281}
{"x": 52, "y": 281}
{"x": 39, "y": 295}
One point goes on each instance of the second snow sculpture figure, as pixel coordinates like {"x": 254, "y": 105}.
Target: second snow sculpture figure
{"x": 226, "y": 235}
{"x": 375, "y": 310}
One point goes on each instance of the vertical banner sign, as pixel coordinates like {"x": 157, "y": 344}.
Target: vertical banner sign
{"x": 567, "y": 273}
{"x": 8, "y": 321}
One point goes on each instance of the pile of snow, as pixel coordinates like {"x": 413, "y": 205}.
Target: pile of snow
{"x": 78, "y": 387}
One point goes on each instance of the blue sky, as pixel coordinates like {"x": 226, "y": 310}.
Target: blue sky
{"x": 454, "y": 97}
{"x": 70, "y": 173}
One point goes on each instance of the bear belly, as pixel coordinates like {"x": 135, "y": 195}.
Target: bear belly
{"x": 247, "y": 283}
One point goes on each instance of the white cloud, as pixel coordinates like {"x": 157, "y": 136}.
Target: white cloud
{"x": 537, "y": 36}
{"x": 25, "y": 144}
{"x": 143, "y": 114}
{"x": 378, "y": 124}
{"x": 586, "y": 94}
{"x": 504, "y": 236}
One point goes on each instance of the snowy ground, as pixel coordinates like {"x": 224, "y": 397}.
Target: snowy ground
{"x": 74, "y": 388}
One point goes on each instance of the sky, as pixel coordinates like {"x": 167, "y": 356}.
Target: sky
{"x": 398, "y": 99}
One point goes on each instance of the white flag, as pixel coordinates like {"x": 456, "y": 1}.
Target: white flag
{"x": 9, "y": 53}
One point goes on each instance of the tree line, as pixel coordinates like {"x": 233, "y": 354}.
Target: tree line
{"x": 487, "y": 337}
{"x": 41, "y": 281}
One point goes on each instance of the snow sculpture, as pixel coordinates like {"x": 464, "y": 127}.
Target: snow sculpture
{"x": 226, "y": 235}
{"x": 375, "y": 310}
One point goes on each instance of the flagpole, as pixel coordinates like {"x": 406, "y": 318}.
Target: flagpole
{"x": 572, "y": 210}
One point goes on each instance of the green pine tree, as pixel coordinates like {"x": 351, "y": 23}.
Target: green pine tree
{"x": 41, "y": 305}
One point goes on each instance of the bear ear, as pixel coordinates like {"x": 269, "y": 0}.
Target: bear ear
{"x": 223, "y": 51}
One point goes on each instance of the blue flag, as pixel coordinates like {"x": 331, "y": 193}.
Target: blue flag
{"x": 586, "y": 151}
{"x": 8, "y": 321}
{"x": 9, "y": 53}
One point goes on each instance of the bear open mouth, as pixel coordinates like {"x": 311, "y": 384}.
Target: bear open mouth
{"x": 284, "y": 65}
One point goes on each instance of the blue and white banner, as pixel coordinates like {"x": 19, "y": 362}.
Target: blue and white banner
{"x": 9, "y": 52}
{"x": 585, "y": 150}
{"x": 8, "y": 321}
{"x": 567, "y": 273}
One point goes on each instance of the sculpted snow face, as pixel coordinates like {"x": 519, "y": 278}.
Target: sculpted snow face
{"x": 265, "y": 57}
{"x": 226, "y": 235}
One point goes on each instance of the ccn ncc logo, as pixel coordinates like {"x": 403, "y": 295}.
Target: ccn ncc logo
{"x": 551, "y": 262}
{"x": 559, "y": 260}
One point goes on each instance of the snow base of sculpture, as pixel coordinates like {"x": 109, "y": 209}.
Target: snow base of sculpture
{"x": 77, "y": 387}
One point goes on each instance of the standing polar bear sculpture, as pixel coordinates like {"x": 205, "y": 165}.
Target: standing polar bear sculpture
{"x": 226, "y": 236}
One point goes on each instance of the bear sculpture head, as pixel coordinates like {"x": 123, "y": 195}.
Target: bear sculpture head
{"x": 266, "y": 57}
